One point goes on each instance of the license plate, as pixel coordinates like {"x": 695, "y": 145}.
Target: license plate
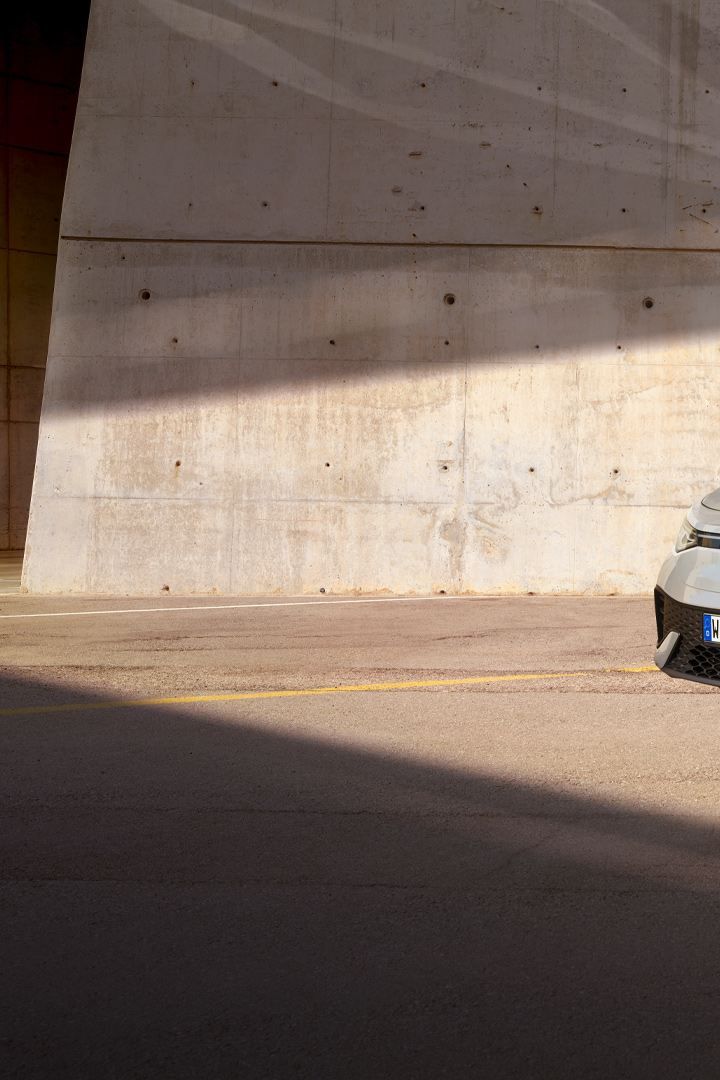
{"x": 711, "y": 629}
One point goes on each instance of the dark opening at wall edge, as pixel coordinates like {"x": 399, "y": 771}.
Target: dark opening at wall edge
{"x": 40, "y": 66}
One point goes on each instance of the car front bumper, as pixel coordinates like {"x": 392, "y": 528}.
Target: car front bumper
{"x": 681, "y": 652}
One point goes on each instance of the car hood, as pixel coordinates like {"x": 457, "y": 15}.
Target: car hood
{"x": 712, "y": 501}
{"x": 705, "y": 515}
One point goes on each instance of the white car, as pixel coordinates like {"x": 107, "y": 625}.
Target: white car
{"x": 687, "y": 598}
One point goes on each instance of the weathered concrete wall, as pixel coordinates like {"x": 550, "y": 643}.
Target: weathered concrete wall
{"x": 393, "y": 295}
{"x": 41, "y": 54}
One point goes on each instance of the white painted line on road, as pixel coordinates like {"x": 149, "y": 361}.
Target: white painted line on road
{"x": 239, "y": 607}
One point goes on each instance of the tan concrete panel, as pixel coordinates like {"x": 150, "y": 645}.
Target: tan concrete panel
{"x": 594, "y": 549}
{"x": 43, "y": 571}
{"x": 239, "y": 60}
{"x": 428, "y": 182}
{"x": 70, "y": 447}
{"x": 31, "y": 278}
{"x": 431, "y": 138}
{"x": 622, "y": 547}
{"x": 621, "y": 205}
{"x": 593, "y": 434}
{"x": 649, "y": 428}
{"x": 388, "y": 305}
{"x": 301, "y": 547}
{"x": 128, "y": 434}
{"x": 35, "y": 193}
{"x": 440, "y": 182}
{"x": 26, "y": 394}
{"x": 159, "y": 300}
{"x": 334, "y": 391}
{"x": 435, "y": 181}
{"x": 361, "y": 436}
{"x": 521, "y": 435}
{"x": 615, "y": 136}
{"x": 129, "y": 546}
{"x": 569, "y": 304}
{"x": 142, "y": 545}
{"x": 197, "y": 178}
{"x": 184, "y": 450}
{"x": 524, "y": 546}
{"x": 462, "y": 61}
{"x": 261, "y": 303}
{"x": 533, "y": 124}
{"x": 696, "y": 209}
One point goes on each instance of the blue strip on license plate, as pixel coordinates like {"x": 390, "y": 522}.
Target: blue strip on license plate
{"x": 711, "y": 628}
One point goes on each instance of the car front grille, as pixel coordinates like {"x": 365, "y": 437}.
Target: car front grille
{"x": 693, "y": 659}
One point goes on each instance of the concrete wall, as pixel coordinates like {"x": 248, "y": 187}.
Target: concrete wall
{"x": 383, "y": 295}
{"x": 40, "y": 60}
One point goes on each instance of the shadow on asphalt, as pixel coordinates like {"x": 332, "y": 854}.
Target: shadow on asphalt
{"x": 186, "y": 898}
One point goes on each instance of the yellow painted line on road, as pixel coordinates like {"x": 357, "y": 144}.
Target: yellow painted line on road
{"x": 317, "y": 691}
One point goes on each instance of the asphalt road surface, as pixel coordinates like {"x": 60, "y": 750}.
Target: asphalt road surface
{"x": 509, "y": 868}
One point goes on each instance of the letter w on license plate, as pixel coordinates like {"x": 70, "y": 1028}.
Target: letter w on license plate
{"x": 711, "y": 628}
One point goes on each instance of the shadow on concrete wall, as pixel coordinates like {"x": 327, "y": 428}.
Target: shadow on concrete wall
{"x": 617, "y": 166}
{"x": 184, "y": 897}
{"x": 578, "y": 123}
{"x": 343, "y": 322}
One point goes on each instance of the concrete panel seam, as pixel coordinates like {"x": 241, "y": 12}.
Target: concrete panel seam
{"x": 450, "y": 244}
